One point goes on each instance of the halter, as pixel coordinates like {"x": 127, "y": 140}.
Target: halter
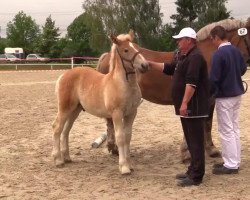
{"x": 131, "y": 61}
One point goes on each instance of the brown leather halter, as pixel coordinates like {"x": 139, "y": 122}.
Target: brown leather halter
{"x": 131, "y": 62}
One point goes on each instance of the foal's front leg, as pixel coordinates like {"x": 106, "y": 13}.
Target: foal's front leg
{"x": 128, "y": 125}
{"x": 112, "y": 147}
{"x": 120, "y": 137}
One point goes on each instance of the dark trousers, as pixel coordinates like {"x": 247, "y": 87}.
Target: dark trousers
{"x": 193, "y": 129}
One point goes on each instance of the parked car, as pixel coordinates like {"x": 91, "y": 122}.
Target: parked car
{"x": 36, "y": 57}
{"x": 9, "y": 58}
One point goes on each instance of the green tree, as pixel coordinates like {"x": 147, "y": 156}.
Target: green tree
{"x": 196, "y": 13}
{"x": 23, "y": 32}
{"x": 211, "y": 11}
{"x": 119, "y": 16}
{"x": 79, "y": 37}
{"x": 3, "y": 45}
{"x": 49, "y": 38}
{"x": 166, "y": 42}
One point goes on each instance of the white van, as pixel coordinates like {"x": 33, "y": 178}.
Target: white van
{"x": 18, "y": 52}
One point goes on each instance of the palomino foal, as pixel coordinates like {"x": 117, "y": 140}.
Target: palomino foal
{"x": 115, "y": 95}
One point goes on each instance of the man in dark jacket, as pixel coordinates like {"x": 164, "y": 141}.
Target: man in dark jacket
{"x": 227, "y": 68}
{"x": 190, "y": 95}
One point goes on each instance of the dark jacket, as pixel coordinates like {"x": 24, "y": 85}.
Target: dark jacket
{"x": 227, "y": 68}
{"x": 190, "y": 69}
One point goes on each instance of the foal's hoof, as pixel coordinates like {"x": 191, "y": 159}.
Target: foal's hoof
{"x": 59, "y": 164}
{"x": 125, "y": 171}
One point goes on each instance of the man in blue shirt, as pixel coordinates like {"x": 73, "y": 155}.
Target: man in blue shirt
{"x": 227, "y": 68}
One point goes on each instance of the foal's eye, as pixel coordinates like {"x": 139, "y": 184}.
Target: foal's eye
{"x": 126, "y": 50}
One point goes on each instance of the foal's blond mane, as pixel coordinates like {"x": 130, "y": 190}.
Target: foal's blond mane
{"x": 121, "y": 38}
{"x": 228, "y": 24}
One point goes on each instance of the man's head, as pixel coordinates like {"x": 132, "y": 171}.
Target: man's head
{"x": 186, "y": 39}
{"x": 218, "y": 35}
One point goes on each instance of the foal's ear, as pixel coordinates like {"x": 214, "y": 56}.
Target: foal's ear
{"x": 132, "y": 35}
{"x": 114, "y": 39}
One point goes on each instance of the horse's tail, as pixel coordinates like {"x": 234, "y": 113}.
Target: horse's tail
{"x": 57, "y": 84}
{"x": 99, "y": 63}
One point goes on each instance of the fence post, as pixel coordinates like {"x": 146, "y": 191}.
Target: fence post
{"x": 72, "y": 62}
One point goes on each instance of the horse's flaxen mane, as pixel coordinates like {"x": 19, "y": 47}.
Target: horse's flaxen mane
{"x": 228, "y": 24}
{"x": 122, "y": 37}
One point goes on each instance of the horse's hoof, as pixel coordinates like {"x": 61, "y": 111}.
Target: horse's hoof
{"x": 125, "y": 171}
{"x": 185, "y": 157}
{"x": 68, "y": 161}
{"x": 215, "y": 154}
{"x": 115, "y": 152}
{"x": 59, "y": 164}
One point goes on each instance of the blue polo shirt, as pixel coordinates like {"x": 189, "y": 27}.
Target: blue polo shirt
{"x": 227, "y": 68}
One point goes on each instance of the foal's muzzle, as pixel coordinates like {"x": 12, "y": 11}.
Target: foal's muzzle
{"x": 144, "y": 67}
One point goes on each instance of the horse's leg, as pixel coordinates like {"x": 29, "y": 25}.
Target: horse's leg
{"x": 58, "y": 126}
{"x": 128, "y": 124}
{"x": 185, "y": 154}
{"x": 112, "y": 147}
{"x": 65, "y": 134}
{"x": 211, "y": 150}
{"x": 120, "y": 137}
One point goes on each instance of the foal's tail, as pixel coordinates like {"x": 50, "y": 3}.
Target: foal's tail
{"x": 57, "y": 84}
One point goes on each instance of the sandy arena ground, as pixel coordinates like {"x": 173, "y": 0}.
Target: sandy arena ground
{"x": 27, "y": 171}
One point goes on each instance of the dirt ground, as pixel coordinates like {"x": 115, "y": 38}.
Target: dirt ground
{"x": 27, "y": 171}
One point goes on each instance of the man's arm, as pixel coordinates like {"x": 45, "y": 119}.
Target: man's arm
{"x": 156, "y": 66}
{"x": 189, "y": 92}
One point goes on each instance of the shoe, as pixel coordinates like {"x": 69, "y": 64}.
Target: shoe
{"x": 224, "y": 170}
{"x": 216, "y": 165}
{"x": 181, "y": 176}
{"x": 187, "y": 182}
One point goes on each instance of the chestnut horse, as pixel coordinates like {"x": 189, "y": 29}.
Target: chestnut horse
{"x": 156, "y": 86}
{"x": 114, "y": 95}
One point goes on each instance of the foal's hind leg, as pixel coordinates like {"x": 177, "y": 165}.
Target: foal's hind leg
{"x": 58, "y": 126}
{"x": 65, "y": 134}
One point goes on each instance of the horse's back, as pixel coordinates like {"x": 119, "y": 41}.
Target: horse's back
{"x": 103, "y": 63}
{"x": 76, "y": 85}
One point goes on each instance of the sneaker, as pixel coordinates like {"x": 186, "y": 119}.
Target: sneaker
{"x": 224, "y": 170}
{"x": 187, "y": 182}
{"x": 181, "y": 176}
